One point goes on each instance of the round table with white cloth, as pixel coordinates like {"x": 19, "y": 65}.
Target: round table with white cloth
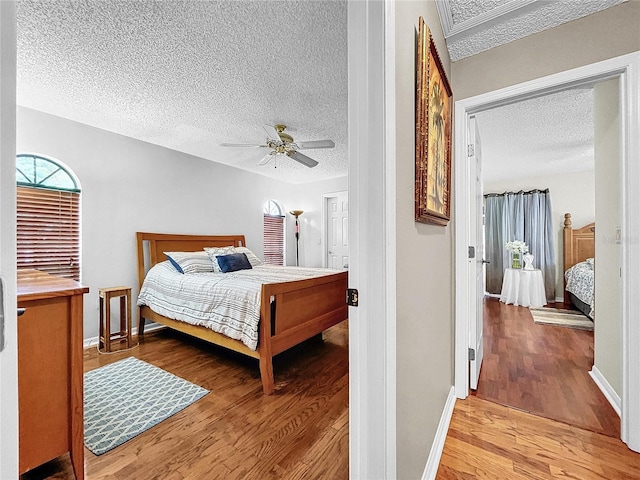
{"x": 523, "y": 287}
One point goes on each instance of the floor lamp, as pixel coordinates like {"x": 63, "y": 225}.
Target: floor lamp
{"x": 297, "y": 213}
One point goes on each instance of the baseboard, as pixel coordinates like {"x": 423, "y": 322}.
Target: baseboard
{"x": 606, "y": 389}
{"x": 559, "y": 299}
{"x": 433, "y": 462}
{"x": 93, "y": 341}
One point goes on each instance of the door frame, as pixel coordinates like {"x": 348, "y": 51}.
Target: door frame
{"x": 372, "y": 245}
{"x": 9, "y": 356}
{"x": 325, "y": 215}
{"x": 627, "y": 69}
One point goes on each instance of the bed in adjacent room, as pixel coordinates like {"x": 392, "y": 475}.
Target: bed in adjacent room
{"x": 579, "y": 253}
{"x": 249, "y": 307}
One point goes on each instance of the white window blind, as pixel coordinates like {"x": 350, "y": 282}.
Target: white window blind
{"x": 48, "y": 231}
{"x": 274, "y": 239}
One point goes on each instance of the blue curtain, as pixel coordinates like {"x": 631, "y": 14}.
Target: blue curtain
{"x": 519, "y": 216}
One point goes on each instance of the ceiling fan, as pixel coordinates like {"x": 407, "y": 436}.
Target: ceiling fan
{"x": 282, "y": 144}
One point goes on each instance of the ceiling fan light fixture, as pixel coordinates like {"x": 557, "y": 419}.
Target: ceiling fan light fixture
{"x": 282, "y": 144}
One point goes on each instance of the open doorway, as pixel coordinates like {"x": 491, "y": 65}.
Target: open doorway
{"x": 539, "y": 351}
{"x": 616, "y": 68}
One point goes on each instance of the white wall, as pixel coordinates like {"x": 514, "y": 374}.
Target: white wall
{"x": 572, "y": 193}
{"x": 424, "y": 263}
{"x": 129, "y": 185}
{"x": 608, "y": 324}
{"x": 308, "y": 197}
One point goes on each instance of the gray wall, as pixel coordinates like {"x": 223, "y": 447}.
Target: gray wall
{"x": 424, "y": 264}
{"x": 129, "y": 186}
{"x": 606, "y": 34}
{"x": 572, "y": 192}
{"x": 608, "y": 344}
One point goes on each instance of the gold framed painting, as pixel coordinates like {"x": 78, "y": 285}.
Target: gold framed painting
{"x": 434, "y": 101}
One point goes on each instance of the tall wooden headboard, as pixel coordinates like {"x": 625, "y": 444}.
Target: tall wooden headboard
{"x": 578, "y": 245}
{"x": 167, "y": 242}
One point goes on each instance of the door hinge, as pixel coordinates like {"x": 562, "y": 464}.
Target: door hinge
{"x": 471, "y": 150}
{"x": 352, "y": 297}
{"x": 472, "y": 252}
{"x": 472, "y": 354}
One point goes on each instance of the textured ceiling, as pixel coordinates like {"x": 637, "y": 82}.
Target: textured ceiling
{"x": 473, "y": 26}
{"x": 191, "y": 75}
{"x": 547, "y": 135}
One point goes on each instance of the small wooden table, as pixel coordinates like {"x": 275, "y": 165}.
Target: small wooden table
{"x": 124, "y": 334}
{"x": 50, "y": 373}
{"x": 523, "y": 287}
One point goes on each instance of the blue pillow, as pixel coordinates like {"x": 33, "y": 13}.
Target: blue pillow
{"x": 233, "y": 262}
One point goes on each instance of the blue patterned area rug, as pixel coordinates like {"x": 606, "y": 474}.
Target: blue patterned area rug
{"x": 125, "y": 398}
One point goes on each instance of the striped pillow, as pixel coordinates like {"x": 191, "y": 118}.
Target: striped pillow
{"x": 213, "y": 253}
{"x": 190, "y": 262}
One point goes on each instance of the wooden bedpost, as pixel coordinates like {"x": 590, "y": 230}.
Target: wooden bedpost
{"x": 567, "y": 255}
{"x": 264, "y": 344}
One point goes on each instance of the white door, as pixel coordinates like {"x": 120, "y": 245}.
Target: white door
{"x": 477, "y": 265}
{"x": 9, "y": 349}
{"x": 337, "y": 230}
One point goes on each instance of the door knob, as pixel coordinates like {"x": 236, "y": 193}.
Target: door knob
{"x": 485, "y": 261}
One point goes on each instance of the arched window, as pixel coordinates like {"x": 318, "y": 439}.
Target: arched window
{"x": 273, "y": 233}
{"x": 48, "y": 223}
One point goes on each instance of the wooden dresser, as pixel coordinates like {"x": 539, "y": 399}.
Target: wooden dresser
{"x": 50, "y": 373}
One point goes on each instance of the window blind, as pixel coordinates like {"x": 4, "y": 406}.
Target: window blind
{"x": 48, "y": 231}
{"x": 274, "y": 240}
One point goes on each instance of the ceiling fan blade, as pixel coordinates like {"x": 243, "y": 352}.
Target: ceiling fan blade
{"x": 303, "y": 159}
{"x": 255, "y": 145}
{"x": 266, "y": 159}
{"x": 272, "y": 133}
{"x": 316, "y": 144}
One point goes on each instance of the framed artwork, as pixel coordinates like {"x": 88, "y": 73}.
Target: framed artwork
{"x": 434, "y": 101}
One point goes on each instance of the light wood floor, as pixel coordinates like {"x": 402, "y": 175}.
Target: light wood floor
{"x": 302, "y": 431}
{"x": 235, "y": 432}
{"x": 542, "y": 369}
{"x": 494, "y": 442}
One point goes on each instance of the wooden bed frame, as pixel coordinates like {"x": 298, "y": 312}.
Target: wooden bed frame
{"x": 578, "y": 245}
{"x": 290, "y": 312}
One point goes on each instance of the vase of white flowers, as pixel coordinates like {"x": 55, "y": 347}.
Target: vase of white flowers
{"x": 517, "y": 248}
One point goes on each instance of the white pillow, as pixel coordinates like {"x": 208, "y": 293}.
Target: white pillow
{"x": 213, "y": 253}
{"x": 253, "y": 258}
{"x": 190, "y": 262}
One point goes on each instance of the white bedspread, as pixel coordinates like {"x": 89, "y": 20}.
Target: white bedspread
{"x": 227, "y": 303}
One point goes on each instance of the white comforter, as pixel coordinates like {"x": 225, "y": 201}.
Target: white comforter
{"x": 227, "y": 303}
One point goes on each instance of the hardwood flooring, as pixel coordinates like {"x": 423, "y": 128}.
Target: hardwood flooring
{"x": 235, "y": 432}
{"x": 494, "y": 442}
{"x": 542, "y": 369}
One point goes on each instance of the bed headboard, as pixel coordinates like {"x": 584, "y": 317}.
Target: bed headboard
{"x": 578, "y": 245}
{"x": 157, "y": 243}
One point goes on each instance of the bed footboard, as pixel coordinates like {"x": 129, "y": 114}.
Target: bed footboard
{"x": 292, "y": 312}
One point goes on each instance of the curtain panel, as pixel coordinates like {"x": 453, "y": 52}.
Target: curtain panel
{"x": 519, "y": 216}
